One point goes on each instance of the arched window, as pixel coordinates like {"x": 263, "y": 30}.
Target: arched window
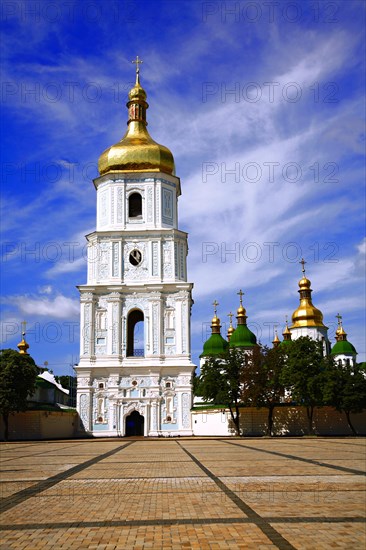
{"x": 135, "y": 206}
{"x": 135, "y": 334}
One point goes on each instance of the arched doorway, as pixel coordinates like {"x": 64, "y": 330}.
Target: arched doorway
{"x": 134, "y": 424}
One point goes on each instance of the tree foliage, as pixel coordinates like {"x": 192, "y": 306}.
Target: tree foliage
{"x": 18, "y": 375}
{"x": 345, "y": 389}
{"x": 263, "y": 377}
{"x": 264, "y": 386}
{"x": 221, "y": 381}
{"x": 305, "y": 373}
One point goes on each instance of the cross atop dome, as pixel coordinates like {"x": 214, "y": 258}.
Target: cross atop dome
{"x": 215, "y": 304}
{"x": 138, "y": 62}
{"x": 302, "y": 262}
{"x": 241, "y": 294}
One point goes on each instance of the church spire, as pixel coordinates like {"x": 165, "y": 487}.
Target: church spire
{"x": 276, "y": 341}
{"x": 286, "y": 333}
{"x": 23, "y": 346}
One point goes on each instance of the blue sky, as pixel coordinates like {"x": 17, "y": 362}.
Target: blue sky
{"x": 263, "y": 108}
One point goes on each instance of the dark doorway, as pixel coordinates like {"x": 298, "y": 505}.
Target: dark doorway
{"x": 135, "y": 334}
{"x": 134, "y": 424}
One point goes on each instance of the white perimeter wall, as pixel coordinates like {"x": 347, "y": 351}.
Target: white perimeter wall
{"x": 287, "y": 421}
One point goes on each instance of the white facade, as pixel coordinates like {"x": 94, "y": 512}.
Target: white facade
{"x": 315, "y": 333}
{"x": 133, "y": 381}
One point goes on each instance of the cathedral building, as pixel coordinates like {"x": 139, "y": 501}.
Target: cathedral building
{"x": 135, "y": 371}
{"x": 307, "y": 320}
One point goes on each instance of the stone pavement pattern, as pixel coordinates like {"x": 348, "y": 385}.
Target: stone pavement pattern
{"x": 188, "y": 493}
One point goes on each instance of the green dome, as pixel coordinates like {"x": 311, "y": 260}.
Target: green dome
{"x": 215, "y": 345}
{"x": 242, "y": 337}
{"x": 343, "y": 347}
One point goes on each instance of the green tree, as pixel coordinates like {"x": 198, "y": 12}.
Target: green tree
{"x": 221, "y": 382}
{"x": 264, "y": 382}
{"x": 18, "y": 373}
{"x": 345, "y": 389}
{"x": 304, "y": 374}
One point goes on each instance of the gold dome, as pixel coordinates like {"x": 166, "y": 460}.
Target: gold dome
{"x": 340, "y": 333}
{"x": 215, "y": 322}
{"x": 231, "y": 329}
{"x": 306, "y": 315}
{"x": 241, "y": 311}
{"x": 23, "y": 346}
{"x": 137, "y": 151}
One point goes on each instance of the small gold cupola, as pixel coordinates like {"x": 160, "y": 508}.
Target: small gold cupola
{"x": 306, "y": 315}
{"x": 241, "y": 314}
{"x": 340, "y": 334}
{"x": 23, "y": 346}
{"x": 137, "y": 151}
{"x": 286, "y": 333}
{"x": 215, "y": 322}
{"x": 276, "y": 341}
{"x": 231, "y": 328}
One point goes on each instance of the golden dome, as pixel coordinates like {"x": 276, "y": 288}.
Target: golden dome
{"x": 241, "y": 311}
{"x": 340, "y": 333}
{"x": 215, "y": 322}
{"x": 304, "y": 283}
{"x": 306, "y": 315}
{"x": 23, "y": 346}
{"x": 137, "y": 151}
{"x": 231, "y": 329}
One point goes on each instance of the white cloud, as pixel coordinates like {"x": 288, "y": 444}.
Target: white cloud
{"x": 66, "y": 267}
{"x": 47, "y": 289}
{"x": 59, "y": 307}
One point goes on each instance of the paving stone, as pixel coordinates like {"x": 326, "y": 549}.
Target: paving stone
{"x": 191, "y": 493}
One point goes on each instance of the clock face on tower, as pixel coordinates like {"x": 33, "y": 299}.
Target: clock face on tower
{"x": 135, "y": 257}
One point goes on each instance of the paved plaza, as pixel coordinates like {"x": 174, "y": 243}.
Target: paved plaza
{"x": 201, "y": 493}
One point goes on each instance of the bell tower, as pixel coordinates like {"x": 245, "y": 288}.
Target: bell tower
{"x": 135, "y": 369}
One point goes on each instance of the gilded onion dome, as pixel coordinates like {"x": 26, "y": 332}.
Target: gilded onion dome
{"x": 23, "y": 346}
{"x": 306, "y": 315}
{"x": 216, "y": 344}
{"x": 137, "y": 151}
{"x": 231, "y": 328}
